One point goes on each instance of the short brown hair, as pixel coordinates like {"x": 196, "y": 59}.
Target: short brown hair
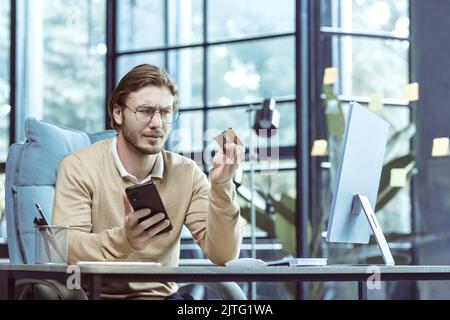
{"x": 137, "y": 78}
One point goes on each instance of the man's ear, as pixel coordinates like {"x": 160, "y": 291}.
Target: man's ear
{"x": 118, "y": 114}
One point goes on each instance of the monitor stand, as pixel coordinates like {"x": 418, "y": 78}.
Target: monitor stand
{"x": 361, "y": 203}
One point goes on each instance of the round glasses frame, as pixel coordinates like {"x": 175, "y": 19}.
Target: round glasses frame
{"x": 149, "y": 117}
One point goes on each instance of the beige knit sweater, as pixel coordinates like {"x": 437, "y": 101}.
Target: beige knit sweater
{"x": 88, "y": 198}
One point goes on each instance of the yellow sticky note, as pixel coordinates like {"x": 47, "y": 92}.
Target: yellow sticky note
{"x": 319, "y": 148}
{"x": 398, "y": 177}
{"x": 412, "y": 92}
{"x": 330, "y": 75}
{"x": 376, "y": 102}
{"x": 441, "y": 147}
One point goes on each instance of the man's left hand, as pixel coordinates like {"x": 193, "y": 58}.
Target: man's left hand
{"x": 226, "y": 163}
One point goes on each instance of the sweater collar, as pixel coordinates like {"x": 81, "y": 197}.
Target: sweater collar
{"x": 157, "y": 170}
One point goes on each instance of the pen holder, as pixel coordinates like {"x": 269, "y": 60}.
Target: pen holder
{"x": 51, "y": 244}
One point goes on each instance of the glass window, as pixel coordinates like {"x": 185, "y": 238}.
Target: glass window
{"x": 187, "y": 133}
{"x": 276, "y": 184}
{"x": 369, "y": 15}
{"x": 74, "y": 63}
{"x": 237, "y": 19}
{"x": 238, "y": 119}
{"x": 185, "y": 21}
{"x": 371, "y": 66}
{"x": 250, "y": 71}
{"x": 186, "y": 70}
{"x": 286, "y": 133}
{"x": 140, "y": 24}
{"x": 5, "y": 107}
{"x": 126, "y": 62}
{"x": 281, "y": 187}
{"x": 2, "y": 200}
{"x": 399, "y": 120}
{"x": 396, "y": 215}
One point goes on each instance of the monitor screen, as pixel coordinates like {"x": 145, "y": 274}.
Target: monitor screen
{"x": 361, "y": 162}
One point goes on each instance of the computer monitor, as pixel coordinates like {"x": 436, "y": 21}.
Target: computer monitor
{"x": 352, "y": 218}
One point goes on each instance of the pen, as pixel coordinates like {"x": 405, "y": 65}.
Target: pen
{"x": 38, "y": 206}
{"x": 37, "y": 223}
{"x": 48, "y": 234}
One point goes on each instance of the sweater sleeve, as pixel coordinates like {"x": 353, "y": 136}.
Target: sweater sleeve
{"x": 213, "y": 218}
{"x": 72, "y": 207}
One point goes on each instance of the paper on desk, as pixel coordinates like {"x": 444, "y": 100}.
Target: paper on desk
{"x": 299, "y": 262}
{"x": 118, "y": 263}
{"x": 441, "y": 147}
{"x": 290, "y": 262}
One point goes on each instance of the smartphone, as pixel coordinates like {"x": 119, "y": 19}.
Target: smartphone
{"x": 146, "y": 196}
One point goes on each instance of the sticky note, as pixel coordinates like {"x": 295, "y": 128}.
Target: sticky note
{"x": 376, "y": 102}
{"x": 398, "y": 177}
{"x": 319, "y": 148}
{"x": 440, "y": 147}
{"x": 412, "y": 92}
{"x": 330, "y": 75}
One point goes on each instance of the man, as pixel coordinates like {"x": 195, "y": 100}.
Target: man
{"x": 90, "y": 186}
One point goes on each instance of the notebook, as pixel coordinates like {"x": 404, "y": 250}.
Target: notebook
{"x": 290, "y": 262}
{"x": 298, "y": 262}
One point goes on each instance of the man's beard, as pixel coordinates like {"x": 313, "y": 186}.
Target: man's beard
{"x": 132, "y": 138}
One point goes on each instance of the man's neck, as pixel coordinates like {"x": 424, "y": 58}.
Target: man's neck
{"x": 136, "y": 163}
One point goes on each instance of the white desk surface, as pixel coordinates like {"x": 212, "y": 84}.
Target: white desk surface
{"x": 119, "y": 268}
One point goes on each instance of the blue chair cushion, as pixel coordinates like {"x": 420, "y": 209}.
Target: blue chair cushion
{"x": 31, "y": 177}
{"x": 25, "y": 199}
{"x": 94, "y": 137}
{"x": 47, "y": 144}
{"x": 14, "y": 156}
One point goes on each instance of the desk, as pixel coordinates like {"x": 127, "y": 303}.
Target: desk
{"x": 94, "y": 275}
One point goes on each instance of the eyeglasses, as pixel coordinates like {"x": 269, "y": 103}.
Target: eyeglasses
{"x": 146, "y": 113}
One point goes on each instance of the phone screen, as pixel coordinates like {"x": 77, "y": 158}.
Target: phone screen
{"x": 146, "y": 196}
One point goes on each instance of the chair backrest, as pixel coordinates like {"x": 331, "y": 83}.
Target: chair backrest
{"x": 31, "y": 169}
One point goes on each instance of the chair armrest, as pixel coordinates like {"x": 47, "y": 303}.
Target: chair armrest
{"x": 47, "y": 290}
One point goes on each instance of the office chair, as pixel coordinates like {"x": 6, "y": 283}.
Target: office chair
{"x": 31, "y": 169}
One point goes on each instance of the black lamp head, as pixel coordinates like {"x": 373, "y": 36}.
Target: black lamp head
{"x": 267, "y": 118}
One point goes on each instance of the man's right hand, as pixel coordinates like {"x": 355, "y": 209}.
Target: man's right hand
{"x": 140, "y": 233}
